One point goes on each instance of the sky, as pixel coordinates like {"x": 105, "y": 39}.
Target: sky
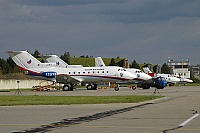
{"x": 148, "y": 31}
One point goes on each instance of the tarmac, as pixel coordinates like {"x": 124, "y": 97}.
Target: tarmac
{"x": 177, "y": 112}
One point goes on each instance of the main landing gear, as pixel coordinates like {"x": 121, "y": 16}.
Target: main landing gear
{"x": 91, "y": 87}
{"x": 68, "y": 87}
{"x": 117, "y": 87}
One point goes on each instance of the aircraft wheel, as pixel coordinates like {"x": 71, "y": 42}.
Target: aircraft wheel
{"x": 66, "y": 87}
{"x": 133, "y": 87}
{"x": 116, "y": 88}
{"x": 89, "y": 87}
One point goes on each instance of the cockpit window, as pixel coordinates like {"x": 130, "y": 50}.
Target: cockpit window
{"x": 121, "y": 70}
{"x": 138, "y": 71}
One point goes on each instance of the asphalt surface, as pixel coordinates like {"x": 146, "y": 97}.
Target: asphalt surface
{"x": 176, "y": 113}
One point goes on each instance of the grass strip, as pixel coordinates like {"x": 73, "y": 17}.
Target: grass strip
{"x": 68, "y": 100}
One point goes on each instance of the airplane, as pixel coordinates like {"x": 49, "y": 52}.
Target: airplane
{"x": 143, "y": 80}
{"x": 69, "y": 76}
{"x": 170, "y": 79}
{"x": 140, "y": 75}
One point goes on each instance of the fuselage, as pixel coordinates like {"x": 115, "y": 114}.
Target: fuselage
{"x": 82, "y": 74}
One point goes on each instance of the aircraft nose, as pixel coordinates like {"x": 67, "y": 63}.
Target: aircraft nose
{"x": 148, "y": 77}
{"x": 190, "y": 81}
{"x": 145, "y": 76}
{"x": 132, "y": 76}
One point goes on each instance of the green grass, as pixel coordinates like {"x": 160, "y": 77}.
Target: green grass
{"x": 191, "y": 84}
{"x": 68, "y": 100}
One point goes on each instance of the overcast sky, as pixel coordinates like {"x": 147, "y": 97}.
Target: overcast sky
{"x": 148, "y": 31}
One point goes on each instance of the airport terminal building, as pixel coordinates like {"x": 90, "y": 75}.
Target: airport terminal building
{"x": 180, "y": 68}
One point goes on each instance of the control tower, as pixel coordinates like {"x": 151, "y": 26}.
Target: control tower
{"x": 180, "y": 68}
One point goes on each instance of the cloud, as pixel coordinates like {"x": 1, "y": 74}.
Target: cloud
{"x": 148, "y": 31}
{"x": 63, "y": 2}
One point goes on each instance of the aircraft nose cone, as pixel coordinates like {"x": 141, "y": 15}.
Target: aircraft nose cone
{"x": 148, "y": 76}
{"x": 129, "y": 75}
{"x": 191, "y": 81}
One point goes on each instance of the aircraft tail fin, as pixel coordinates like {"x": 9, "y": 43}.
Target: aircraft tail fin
{"x": 54, "y": 59}
{"x": 147, "y": 70}
{"x": 99, "y": 62}
{"x": 24, "y": 60}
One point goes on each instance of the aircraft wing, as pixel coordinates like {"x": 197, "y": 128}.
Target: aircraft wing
{"x": 64, "y": 78}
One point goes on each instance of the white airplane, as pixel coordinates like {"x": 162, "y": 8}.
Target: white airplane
{"x": 140, "y": 75}
{"x": 69, "y": 76}
{"x": 143, "y": 80}
{"x": 168, "y": 77}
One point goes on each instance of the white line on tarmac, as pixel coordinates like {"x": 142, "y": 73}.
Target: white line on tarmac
{"x": 188, "y": 120}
